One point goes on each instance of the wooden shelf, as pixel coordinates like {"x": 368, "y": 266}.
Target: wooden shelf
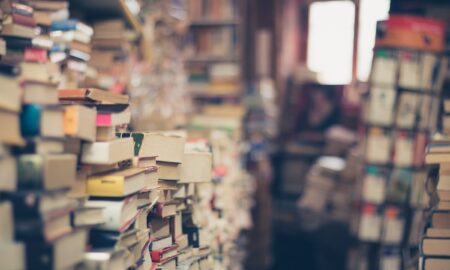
{"x": 107, "y": 9}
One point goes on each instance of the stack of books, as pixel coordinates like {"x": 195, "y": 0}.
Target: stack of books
{"x": 164, "y": 223}
{"x": 37, "y": 181}
{"x": 435, "y": 241}
{"x": 112, "y": 182}
{"x": 111, "y": 48}
{"x": 71, "y": 50}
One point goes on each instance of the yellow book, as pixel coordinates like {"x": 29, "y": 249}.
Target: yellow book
{"x": 117, "y": 184}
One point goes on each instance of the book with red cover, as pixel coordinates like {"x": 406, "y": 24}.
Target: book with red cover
{"x": 23, "y": 20}
{"x": 35, "y": 55}
{"x": 164, "y": 254}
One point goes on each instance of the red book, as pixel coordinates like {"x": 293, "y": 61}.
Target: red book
{"x": 23, "y": 20}
{"x": 164, "y": 254}
{"x": 35, "y": 55}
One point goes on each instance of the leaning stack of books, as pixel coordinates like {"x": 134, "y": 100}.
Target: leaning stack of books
{"x": 168, "y": 149}
{"x": 71, "y": 50}
{"x": 196, "y": 171}
{"x": 36, "y": 183}
{"x": 112, "y": 182}
{"x": 111, "y": 49}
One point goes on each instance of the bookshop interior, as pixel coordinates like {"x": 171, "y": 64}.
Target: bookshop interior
{"x": 224, "y": 135}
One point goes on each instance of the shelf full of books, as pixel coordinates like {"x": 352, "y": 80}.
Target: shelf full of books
{"x": 212, "y": 52}
{"x": 79, "y": 189}
{"x": 401, "y": 112}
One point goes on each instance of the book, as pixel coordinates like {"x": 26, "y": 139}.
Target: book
{"x": 440, "y": 219}
{"x": 159, "y": 227}
{"x": 393, "y": 226}
{"x": 432, "y": 263}
{"x": 91, "y": 95}
{"x": 42, "y": 121}
{"x": 407, "y": 110}
{"x": 370, "y": 224}
{"x": 79, "y": 122}
{"x": 119, "y": 214}
{"x": 374, "y": 184}
{"x": 17, "y": 30}
{"x": 103, "y": 259}
{"x": 165, "y": 148}
{"x": 169, "y": 171}
{"x": 196, "y": 167}
{"x": 105, "y": 133}
{"x": 164, "y": 210}
{"x": 435, "y": 247}
{"x": 385, "y": 68}
{"x": 161, "y": 243}
{"x": 437, "y": 232}
{"x": 164, "y": 254}
{"x": 378, "y": 149}
{"x": 70, "y": 25}
{"x": 109, "y": 152}
{"x": 41, "y": 93}
{"x": 381, "y": 106}
{"x": 105, "y": 119}
{"x": 117, "y": 184}
{"x": 54, "y": 255}
{"x": 87, "y": 216}
{"x": 11, "y": 94}
{"x": 46, "y": 172}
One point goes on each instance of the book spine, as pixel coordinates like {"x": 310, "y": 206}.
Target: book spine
{"x": 30, "y": 172}
{"x": 22, "y": 9}
{"x": 23, "y": 20}
{"x": 30, "y": 120}
{"x": 65, "y": 25}
{"x": 35, "y": 55}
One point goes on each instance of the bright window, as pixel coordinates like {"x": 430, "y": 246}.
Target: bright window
{"x": 370, "y": 12}
{"x": 330, "y": 41}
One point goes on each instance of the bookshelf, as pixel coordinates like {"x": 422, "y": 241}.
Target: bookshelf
{"x": 214, "y": 48}
{"x": 400, "y": 114}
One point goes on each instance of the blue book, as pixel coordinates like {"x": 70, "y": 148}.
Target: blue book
{"x": 72, "y": 25}
{"x": 64, "y": 25}
{"x": 30, "y": 120}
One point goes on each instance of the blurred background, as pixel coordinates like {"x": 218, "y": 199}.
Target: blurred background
{"x": 327, "y": 106}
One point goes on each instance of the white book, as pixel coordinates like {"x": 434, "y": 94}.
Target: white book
{"x": 117, "y": 214}
{"x": 108, "y": 152}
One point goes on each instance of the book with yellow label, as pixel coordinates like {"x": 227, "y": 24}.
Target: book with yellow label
{"x": 117, "y": 184}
